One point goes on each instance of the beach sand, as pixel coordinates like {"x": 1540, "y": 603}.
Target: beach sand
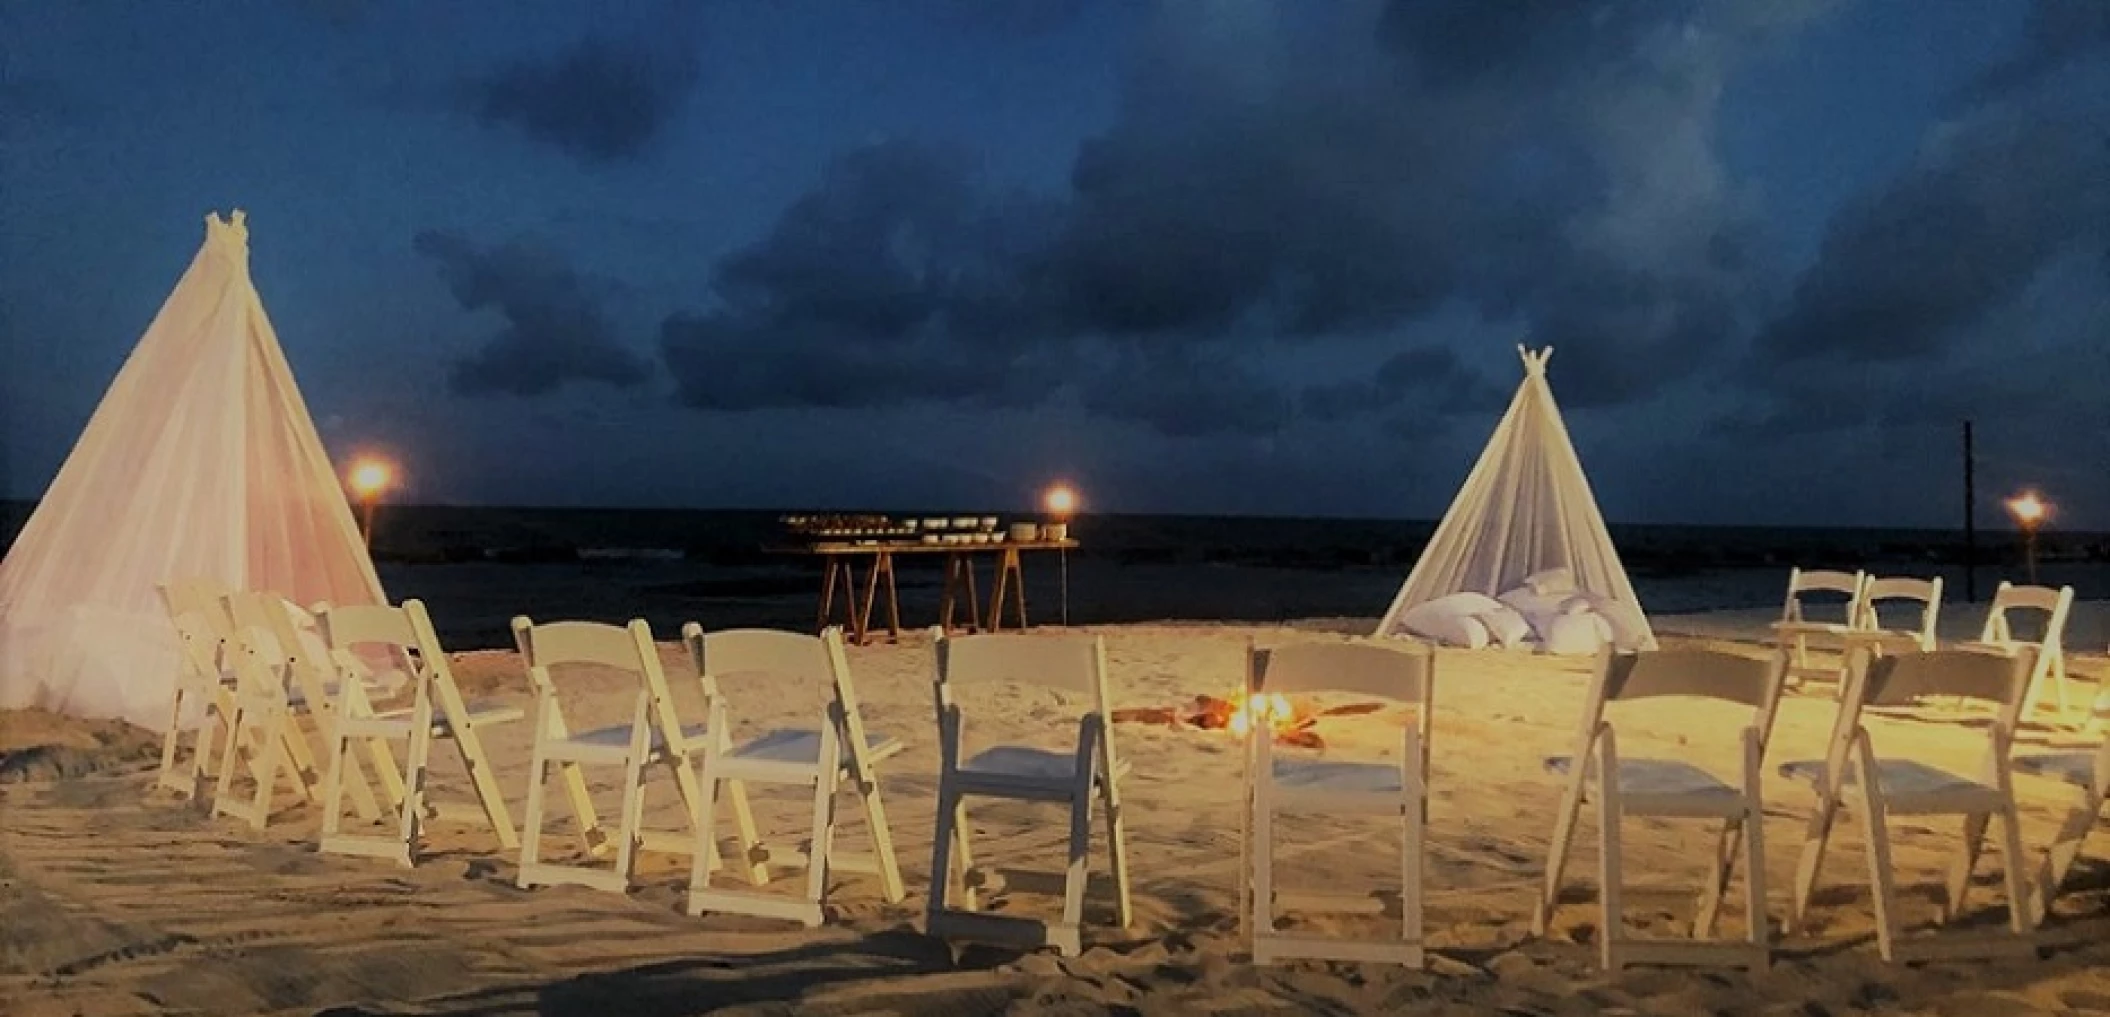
{"x": 117, "y": 900}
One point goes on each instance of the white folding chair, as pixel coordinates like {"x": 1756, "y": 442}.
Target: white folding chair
{"x": 653, "y": 737}
{"x": 835, "y": 749}
{"x": 1303, "y": 784}
{"x": 1853, "y": 777}
{"x": 1801, "y": 627}
{"x": 404, "y": 635}
{"x": 1671, "y": 789}
{"x": 204, "y": 685}
{"x": 307, "y": 679}
{"x": 262, "y": 737}
{"x": 2089, "y": 773}
{"x": 1077, "y": 775}
{"x": 2000, "y": 628}
{"x": 1920, "y": 595}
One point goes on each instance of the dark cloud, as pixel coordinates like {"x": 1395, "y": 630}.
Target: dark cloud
{"x": 2060, "y": 33}
{"x": 1989, "y": 203}
{"x": 556, "y": 329}
{"x": 1431, "y": 377}
{"x": 600, "y": 99}
{"x": 1294, "y": 175}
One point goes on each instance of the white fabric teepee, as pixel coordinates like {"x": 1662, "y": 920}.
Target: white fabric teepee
{"x": 1526, "y": 508}
{"x": 201, "y": 461}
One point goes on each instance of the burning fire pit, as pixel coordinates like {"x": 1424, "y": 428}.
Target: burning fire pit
{"x": 1294, "y": 722}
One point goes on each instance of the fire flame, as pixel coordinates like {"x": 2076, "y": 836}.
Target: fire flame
{"x": 1272, "y": 707}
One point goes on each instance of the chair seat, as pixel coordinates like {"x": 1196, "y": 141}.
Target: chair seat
{"x": 1028, "y": 763}
{"x": 1654, "y": 777}
{"x": 1336, "y": 777}
{"x": 618, "y": 737}
{"x": 1900, "y": 778}
{"x": 802, "y": 746}
{"x": 2076, "y": 768}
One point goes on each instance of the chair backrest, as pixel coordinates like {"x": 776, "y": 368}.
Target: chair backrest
{"x": 2054, "y": 603}
{"x": 404, "y": 635}
{"x": 1695, "y": 673}
{"x": 203, "y": 597}
{"x": 199, "y": 645}
{"x": 1362, "y": 668}
{"x": 1069, "y": 663}
{"x": 1072, "y": 663}
{"x": 551, "y": 648}
{"x": 1924, "y": 592}
{"x": 782, "y": 661}
{"x": 1985, "y": 675}
{"x": 1825, "y": 581}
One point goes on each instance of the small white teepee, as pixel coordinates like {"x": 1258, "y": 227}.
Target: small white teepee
{"x": 201, "y": 461}
{"x": 1525, "y": 508}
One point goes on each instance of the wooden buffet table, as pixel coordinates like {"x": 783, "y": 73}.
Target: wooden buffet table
{"x": 840, "y": 575}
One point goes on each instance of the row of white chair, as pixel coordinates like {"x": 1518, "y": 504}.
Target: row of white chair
{"x": 708, "y": 766}
{"x": 1861, "y": 597}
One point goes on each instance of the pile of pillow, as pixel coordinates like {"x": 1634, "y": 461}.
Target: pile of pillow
{"x": 1546, "y": 611}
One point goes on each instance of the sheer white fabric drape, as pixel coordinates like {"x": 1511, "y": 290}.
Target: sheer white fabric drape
{"x": 200, "y": 461}
{"x": 1526, "y": 507}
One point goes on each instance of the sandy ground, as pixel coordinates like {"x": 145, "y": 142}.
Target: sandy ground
{"x": 117, "y": 900}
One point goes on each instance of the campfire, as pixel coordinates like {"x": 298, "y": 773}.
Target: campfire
{"x": 1293, "y": 721}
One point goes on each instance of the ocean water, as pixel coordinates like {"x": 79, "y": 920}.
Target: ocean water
{"x": 478, "y": 567}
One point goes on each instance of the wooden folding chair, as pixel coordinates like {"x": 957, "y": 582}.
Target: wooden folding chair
{"x": 1999, "y": 631}
{"x": 1671, "y": 789}
{"x": 1287, "y": 783}
{"x": 201, "y": 702}
{"x": 261, "y": 734}
{"x": 1800, "y": 628}
{"x": 653, "y": 737}
{"x": 2089, "y": 773}
{"x": 822, "y": 757}
{"x": 1853, "y": 777}
{"x": 1075, "y": 776}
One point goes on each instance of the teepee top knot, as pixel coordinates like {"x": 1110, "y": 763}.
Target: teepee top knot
{"x": 1535, "y": 360}
{"x": 230, "y": 234}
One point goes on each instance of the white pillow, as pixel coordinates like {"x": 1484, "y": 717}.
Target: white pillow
{"x": 1537, "y": 608}
{"x": 1622, "y": 618}
{"x": 1554, "y": 580}
{"x": 1504, "y": 625}
{"x": 1445, "y": 622}
{"x": 1576, "y": 633}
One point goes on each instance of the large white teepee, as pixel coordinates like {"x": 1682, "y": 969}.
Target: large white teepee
{"x": 1524, "y": 509}
{"x": 201, "y": 461}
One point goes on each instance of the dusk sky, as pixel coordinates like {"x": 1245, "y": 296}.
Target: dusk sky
{"x": 1212, "y": 257}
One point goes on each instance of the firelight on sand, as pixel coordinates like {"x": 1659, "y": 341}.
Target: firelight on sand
{"x": 1272, "y": 707}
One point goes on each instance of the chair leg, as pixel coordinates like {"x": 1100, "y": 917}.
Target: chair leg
{"x": 963, "y": 847}
{"x": 1876, "y": 830}
{"x": 631, "y": 828}
{"x": 1263, "y": 874}
{"x": 1609, "y": 873}
{"x": 2021, "y": 915}
{"x": 750, "y": 835}
{"x": 1965, "y": 862}
{"x": 1075, "y": 874}
{"x": 1727, "y": 844}
{"x": 2065, "y": 848}
{"x": 824, "y": 789}
{"x": 531, "y": 830}
{"x": 1557, "y": 857}
{"x": 333, "y": 785}
{"x": 941, "y": 850}
{"x": 706, "y": 831}
{"x": 1413, "y": 819}
{"x": 1117, "y": 853}
{"x": 1755, "y": 878}
{"x": 890, "y": 883}
{"x": 1814, "y": 840}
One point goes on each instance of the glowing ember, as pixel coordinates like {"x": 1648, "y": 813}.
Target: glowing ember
{"x": 1292, "y": 722}
{"x": 1272, "y": 707}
